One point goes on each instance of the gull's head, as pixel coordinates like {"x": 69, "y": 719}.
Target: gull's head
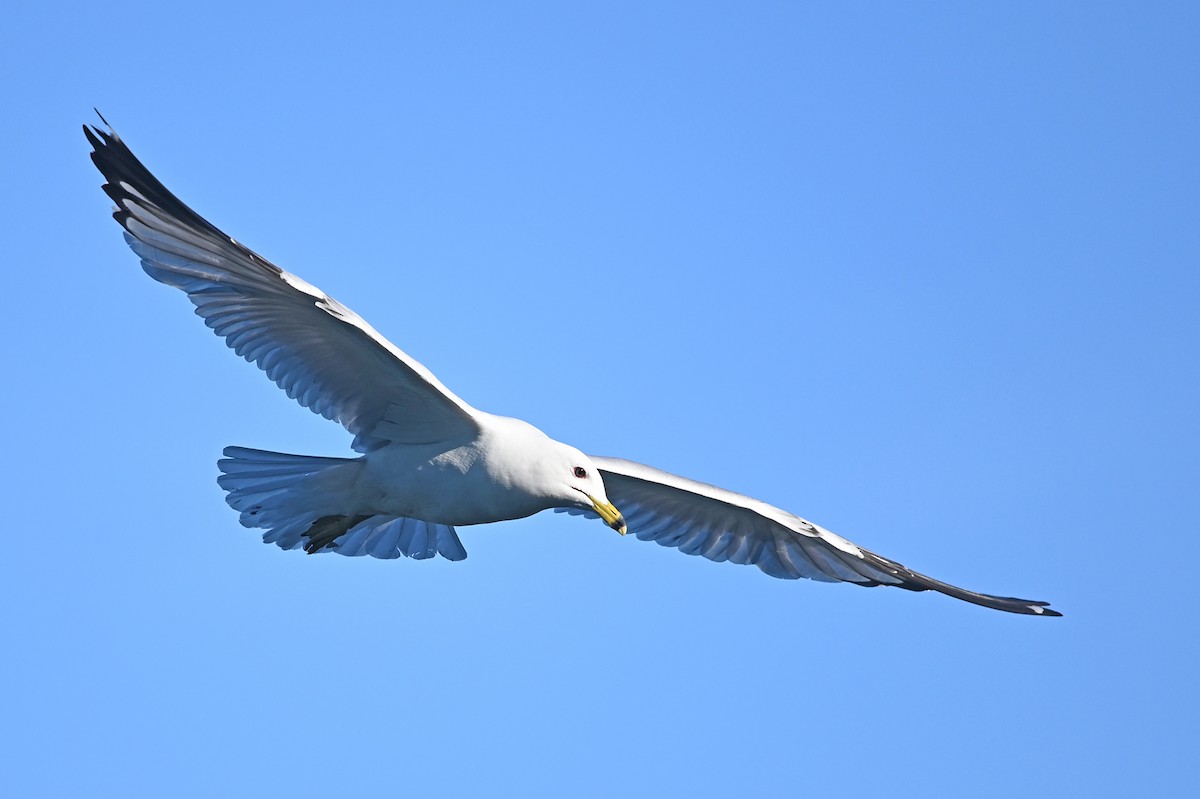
{"x": 580, "y": 485}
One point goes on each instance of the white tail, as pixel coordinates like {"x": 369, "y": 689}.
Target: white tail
{"x": 300, "y": 501}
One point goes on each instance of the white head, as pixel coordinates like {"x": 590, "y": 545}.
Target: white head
{"x": 548, "y": 473}
{"x": 576, "y": 483}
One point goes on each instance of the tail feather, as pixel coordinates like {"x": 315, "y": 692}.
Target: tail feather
{"x": 393, "y": 536}
{"x": 271, "y": 489}
{"x": 289, "y": 536}
{"x": 299, "y": 500}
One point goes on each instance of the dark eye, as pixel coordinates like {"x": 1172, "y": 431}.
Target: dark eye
{"x": 580, "y": 472}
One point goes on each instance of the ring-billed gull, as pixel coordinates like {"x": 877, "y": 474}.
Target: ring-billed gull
{"x": 429, "y": 462}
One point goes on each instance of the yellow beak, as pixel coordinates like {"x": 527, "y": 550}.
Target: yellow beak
{"x": 611, "y": 516}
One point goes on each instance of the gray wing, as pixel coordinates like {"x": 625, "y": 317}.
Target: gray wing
{"x": 321, "y": 353}
{"x": 701, "y": 519}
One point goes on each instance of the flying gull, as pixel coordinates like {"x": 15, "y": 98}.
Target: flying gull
{"x": 429, "y": 462}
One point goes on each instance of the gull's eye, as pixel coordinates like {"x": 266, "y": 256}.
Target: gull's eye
{"x": 580, "y": 472}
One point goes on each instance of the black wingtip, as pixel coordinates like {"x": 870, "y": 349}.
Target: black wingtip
{"x": 1009, "y": 604}
{"x": 98, "y": 137}
{"x": 127, "y": 179}
{"x": 915, "y": 581}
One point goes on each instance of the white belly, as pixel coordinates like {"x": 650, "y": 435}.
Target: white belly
{"x": 436, "y": 483}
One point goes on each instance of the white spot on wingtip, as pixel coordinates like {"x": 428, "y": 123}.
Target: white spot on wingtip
{"x": 129, "y": 188}
{"x": 1037, "y": 609}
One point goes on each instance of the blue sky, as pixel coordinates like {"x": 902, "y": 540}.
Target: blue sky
{"x": 925, "y": 274}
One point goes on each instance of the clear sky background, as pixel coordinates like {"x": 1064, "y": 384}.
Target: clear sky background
{"x": 926, "y": 274}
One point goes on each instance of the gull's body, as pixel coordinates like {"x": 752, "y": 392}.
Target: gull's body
{"x": 429, "y": 462}
{"x": 486, "y": 479}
